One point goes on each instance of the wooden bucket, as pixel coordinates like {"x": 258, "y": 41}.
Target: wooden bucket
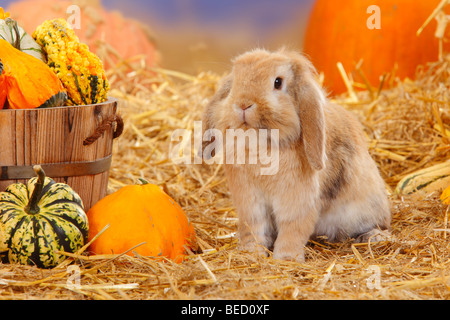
{"x": 72, "y": 144}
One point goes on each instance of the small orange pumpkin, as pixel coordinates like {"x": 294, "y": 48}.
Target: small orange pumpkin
{"x": 136, "y": 214}
{"x": 445, "y": 196}
{"x": 27, "y": 82}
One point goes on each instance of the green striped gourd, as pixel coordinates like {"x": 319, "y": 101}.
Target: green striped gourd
{"x": 40, "y": 220}
{"x": 425, "y": 181}
{"x": 19, "y": 39}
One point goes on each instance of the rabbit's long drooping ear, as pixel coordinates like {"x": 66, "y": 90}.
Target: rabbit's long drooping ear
{"x": 310, "y": 99}
{"x": 211, "y": 113}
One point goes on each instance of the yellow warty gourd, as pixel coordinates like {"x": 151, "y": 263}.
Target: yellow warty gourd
{"x": 80, "y": 70}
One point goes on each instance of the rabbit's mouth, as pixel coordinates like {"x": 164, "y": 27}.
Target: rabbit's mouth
{"x": 245, "y": 115}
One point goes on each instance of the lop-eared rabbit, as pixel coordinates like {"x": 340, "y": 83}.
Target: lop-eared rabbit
{"x": 326, "y": 184}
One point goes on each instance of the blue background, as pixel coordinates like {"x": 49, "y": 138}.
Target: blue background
{"x": 261, "y": 14}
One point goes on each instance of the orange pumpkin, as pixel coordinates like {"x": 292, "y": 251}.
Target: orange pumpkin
{"x": 136, "y": 214}
{"x": 27, "y": 82}
{"x": 445, "y": 196}
{"x": 127, "y": 37}
{"x": 337, "y": 31}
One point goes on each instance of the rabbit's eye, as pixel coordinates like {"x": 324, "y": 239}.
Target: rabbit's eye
{"x": 278, "y": 83}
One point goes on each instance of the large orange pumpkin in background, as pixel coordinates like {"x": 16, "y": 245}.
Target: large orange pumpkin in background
{"x": 337, "y": 32}
{"x": 128, "y": 38}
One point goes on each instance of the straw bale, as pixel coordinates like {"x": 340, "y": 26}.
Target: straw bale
{"x": 406, "y": 125}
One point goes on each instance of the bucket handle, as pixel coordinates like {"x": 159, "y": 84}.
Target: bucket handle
{"x": 115, "y": 121}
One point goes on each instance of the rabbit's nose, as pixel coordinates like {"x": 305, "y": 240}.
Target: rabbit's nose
{"x": 246, "y": 106}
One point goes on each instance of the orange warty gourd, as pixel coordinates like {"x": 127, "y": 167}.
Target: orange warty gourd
{"x": 136, "y": 214}
{"x": 127, "y": 37}
{"x": 26, "y": 82}
{"x": 337, "y": 31}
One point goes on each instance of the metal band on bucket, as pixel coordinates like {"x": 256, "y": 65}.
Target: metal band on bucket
{"x": 57, "y": 170}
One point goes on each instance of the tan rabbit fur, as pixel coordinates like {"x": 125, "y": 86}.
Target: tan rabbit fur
{"x": 326, "y": 184}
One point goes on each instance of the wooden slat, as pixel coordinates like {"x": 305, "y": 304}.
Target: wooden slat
{"x": 7, "y": 150}
{"x": 100, "y": 181}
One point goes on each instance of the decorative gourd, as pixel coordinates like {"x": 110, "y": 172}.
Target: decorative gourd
{"x": 337, "y": 31}
{"x": 125, "y": 38}
{"x": 3, "y": 14}
{"x": 41, "y": 218}
{"x": 445, "y": 196}
{"x": 3, "y": 244}
{"x": 29, "y": 83}
{"x": 16, "y": 36}
{"x": 426, "y": 180}
{"x": 136, "y": 214}
{"x": 80, "y": 70}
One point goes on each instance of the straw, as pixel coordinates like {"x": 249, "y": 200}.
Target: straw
{"x": 401, "y": 136}
{"x": 406, "y": 125}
